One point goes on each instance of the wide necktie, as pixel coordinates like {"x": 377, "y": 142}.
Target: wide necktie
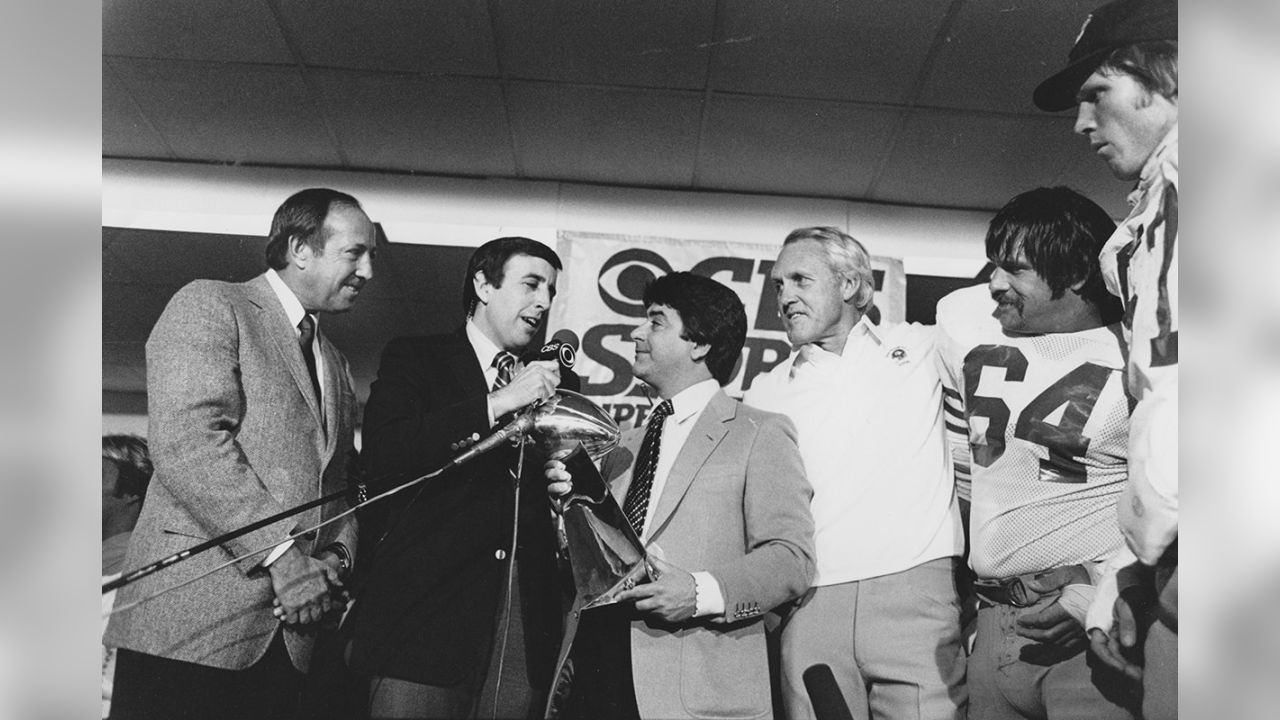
{"x": 307, "y": 326}
{"x": 506, "y": 363}
{"x": 636, "y": 504}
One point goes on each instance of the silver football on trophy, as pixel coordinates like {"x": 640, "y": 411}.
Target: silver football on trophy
{"x": 569, "y": 418}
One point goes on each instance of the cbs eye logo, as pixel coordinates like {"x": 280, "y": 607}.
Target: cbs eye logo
{"x": 624, "y": 277}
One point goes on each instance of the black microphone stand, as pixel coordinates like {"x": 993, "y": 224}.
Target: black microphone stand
{"x": 135, "y": 575}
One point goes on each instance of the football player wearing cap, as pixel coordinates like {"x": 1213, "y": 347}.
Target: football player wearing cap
{"x": 1032, "y": 369}
{"x": 1122, "y": 73}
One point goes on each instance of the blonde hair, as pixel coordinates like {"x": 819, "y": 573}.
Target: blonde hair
{"x": 847, "y": 257}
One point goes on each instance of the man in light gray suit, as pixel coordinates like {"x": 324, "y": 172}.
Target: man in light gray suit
{"x": 717, "y": 493}
{"x": 251, "y": 412}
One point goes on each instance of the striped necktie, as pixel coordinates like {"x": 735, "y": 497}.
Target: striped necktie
{"x": 636, "y": 504}
{"x": 506, "y": 363}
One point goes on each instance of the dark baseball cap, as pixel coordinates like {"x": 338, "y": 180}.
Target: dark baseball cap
{"x": 1114, "y": 25}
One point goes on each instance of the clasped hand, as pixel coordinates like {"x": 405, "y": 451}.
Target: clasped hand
{"x": 306, "y": 588}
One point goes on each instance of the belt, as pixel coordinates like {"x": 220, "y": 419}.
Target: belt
{"x": 1013, "y": 591}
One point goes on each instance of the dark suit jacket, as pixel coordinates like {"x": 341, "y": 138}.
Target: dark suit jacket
{"x": 428, "y": 596}
{"x": 235, "y": 435}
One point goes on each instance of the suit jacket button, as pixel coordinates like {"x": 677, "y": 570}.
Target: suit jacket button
{"x": 500, "y": 554}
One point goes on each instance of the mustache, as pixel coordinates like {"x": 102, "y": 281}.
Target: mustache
{"x": 1006, "y": 298}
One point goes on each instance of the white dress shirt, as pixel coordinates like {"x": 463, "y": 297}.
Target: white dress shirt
{"x": 486, "y": 350}
{"x": 294, "y": 310}
{"x": 686, "y": 406}
{"x": 871, "y": 436}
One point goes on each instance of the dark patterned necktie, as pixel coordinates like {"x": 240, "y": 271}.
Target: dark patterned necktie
{"x": 506, "y": 363}
{"x": 308, "y": 327}
{"x": 636, "y": 504}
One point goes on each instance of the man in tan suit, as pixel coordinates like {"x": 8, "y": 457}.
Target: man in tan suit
{"x": 717, "y": 493}
{"x": 251, "y": 412}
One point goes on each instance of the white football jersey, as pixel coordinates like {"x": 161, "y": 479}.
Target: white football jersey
{"x": 1046, "y": 421}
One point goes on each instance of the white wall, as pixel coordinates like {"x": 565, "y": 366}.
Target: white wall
{"x": 116, "y": 424}
{"x": 452, "y": 211}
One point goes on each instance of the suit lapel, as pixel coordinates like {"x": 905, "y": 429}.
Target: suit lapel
{"x": 619, "y": 466}
{"x": 465, "y": 366}
{"x": 335, "y": 409}
{"x": 708, "y": 430}
{"x": 284, "y": 337}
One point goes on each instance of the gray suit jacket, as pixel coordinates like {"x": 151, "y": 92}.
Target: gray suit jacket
{"x": 736, "y": 505}
{"x": 235, "y": 435}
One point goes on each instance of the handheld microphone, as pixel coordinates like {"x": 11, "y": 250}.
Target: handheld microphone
{"x": 562, "y": 347}
{"x": 824, "y": 694}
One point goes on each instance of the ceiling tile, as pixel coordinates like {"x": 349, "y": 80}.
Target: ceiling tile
{"x": 870, "y": 51}
{"x": 999, "y": 50}
{"x": 436, "y": 125}
{"x": 955, "y": 159}
{"x": 214, "y": 30}
{"x": 823, "y": 149}
{"x": 627, "y": 137}
{"x": 394, "y": 35}
{"x": 125, "y": 132}
{"x": 230, "y": 113}
{"x": 656, "y": 43}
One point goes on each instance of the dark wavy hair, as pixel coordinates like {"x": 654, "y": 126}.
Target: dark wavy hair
{"x": 1061, "y": 232}
{"x": 711, "y": 313}
{"x": 491, "y": 259}
{"x": 302, "y": 216}
{"x": 129, "y": 453}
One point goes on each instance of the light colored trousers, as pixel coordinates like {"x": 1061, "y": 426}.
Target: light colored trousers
{"x": 892, "y": 642}
{"x": 1012, "y": 677}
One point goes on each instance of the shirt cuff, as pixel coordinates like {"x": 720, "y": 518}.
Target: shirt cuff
{"x": 1075, "y": 599}
{"x": 488, "y": 406}
{"x": 710, "y": 601}
{"x": 1104, "y": 600}
{"x": 275, "y": 554}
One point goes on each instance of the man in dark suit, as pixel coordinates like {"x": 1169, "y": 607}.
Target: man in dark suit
{"x": 251, "y": 412}
{"x": 454, "y": 617}
{"x": 717, "y": 493}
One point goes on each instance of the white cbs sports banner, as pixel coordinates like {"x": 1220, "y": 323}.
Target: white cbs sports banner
{"x": 600, "y": 297}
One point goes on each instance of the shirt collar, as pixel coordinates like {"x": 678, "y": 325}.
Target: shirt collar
{"x": 292, "y": 305}
{"x": 813, "y": 353}
{"x": 690, "y": 401}
{"x": 869, "y": 329}
{"x": 1151, "y": 169}
{"x": 484, "y": 348}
